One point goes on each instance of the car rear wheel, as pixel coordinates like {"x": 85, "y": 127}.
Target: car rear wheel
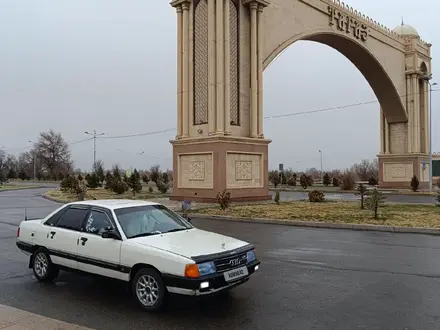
{"x": 44, "y": 269}
{"x": 149, "y": 289}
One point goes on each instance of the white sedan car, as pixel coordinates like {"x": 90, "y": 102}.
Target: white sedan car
{"x": 143, "y": 243}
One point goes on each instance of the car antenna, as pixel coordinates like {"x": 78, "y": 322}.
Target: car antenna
{"x": 25, "y": 214}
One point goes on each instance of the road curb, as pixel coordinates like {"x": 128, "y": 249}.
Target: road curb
{"x": 326, "y": 225}
{"x": 52, "y": 199}
{"x": 18, "y": 189}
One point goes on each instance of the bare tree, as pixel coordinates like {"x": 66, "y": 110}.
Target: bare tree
{"x": 374, "y": 168}
{"x": 53, "y": 152}
{"x": 314, "y": 173}
{"x": 3, "y": 167}
{"x": 366, "y": 169}
{"x": 3, "y": 158}
{"x": 25, "y": 164}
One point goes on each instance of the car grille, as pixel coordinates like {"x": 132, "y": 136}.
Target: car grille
{"x": 235, "y": 261}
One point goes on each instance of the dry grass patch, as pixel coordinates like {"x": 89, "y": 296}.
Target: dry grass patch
{"x": 100, "y": 193}
{"x": 17, "y": 187}
{"x": 336, "y": 212}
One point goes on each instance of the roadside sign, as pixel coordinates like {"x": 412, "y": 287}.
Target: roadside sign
{"x": 186, "y": 205}
{"x": 281, "y": 167}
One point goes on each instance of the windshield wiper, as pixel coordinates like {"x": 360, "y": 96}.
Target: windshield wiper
{"x": 144, "y": 234}
{"x": 176, "y": 229}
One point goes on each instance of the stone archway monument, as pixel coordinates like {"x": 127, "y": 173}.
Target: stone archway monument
{"x": 223, "y": 47}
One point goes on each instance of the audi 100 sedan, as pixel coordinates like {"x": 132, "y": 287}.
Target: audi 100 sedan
{"x": 152, "y": 248}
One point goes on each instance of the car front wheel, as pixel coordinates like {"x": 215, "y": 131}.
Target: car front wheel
{"x": 149, "y": 289}
{"x": 44, "y": 269}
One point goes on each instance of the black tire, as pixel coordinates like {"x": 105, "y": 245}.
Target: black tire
{"x": 51, "y": 271}
{"x": 157, "y": 287}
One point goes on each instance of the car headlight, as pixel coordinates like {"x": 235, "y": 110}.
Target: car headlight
{"x": 251, "y": 256}
{"x": 207, "y": 268}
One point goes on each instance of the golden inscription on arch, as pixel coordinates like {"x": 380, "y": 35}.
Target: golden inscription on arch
{"x": 348, "y": 24}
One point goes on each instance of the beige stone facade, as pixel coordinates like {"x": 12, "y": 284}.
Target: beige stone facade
{"x": 223, "y": 47}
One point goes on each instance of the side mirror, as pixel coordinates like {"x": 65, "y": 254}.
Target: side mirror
{"x": 110, "y": 233}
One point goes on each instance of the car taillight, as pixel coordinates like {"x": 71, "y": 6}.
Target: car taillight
{"x": 18, "y": 232}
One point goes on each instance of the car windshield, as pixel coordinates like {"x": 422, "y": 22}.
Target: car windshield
{"x": 148, "y": 220}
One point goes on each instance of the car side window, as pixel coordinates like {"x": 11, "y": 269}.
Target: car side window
{"x": 96, "y": 223}
{"x": 54, "y": 218}
{"x": 72, "y": 218}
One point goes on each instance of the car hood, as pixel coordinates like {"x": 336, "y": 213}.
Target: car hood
{"x": 191, "y": 243}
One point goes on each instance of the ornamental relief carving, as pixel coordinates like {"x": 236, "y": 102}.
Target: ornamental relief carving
{"x": 243, "y": 170}
{"x": 196, "y": 170}
{"x": 398, "y": 172}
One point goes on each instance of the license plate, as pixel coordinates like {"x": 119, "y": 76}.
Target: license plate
{"x": 235, "y": 274}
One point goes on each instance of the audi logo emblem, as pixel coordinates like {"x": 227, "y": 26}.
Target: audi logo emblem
{"x": 236, "y": 261}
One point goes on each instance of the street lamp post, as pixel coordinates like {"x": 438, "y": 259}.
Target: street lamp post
{"x": 320, "y": 152}
{"x": 428, "y": 79}
{"x": 94, "y": 145}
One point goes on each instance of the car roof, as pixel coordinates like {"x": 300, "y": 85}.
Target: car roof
{"x": 115, "y": 203}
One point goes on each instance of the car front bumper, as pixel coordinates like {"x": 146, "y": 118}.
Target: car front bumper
{"x": 197, "y": 287}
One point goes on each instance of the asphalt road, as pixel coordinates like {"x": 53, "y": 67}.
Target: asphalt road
{"x": 309, "y": 279}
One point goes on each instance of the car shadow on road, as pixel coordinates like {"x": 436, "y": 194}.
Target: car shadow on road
{"x": 105, "y": 303}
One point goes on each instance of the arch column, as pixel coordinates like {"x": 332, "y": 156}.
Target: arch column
{"x": 400, "y": 162}
{"x": 185, "y": 69}
{"x": 382, "y": 133}
{"x": 410, "y": 111}
{"x": 179, "y": 12}
{"x": 253, "y": 6}
{"x": 416, "y": 118}
{"x": 387, "y": 136}
{"x": 426, "y": 117}
{"x": 183, "y": 52}
{"x": 260, "y": 69}
{"x": 225, "y": 149}
{"x": 256, "y": 68}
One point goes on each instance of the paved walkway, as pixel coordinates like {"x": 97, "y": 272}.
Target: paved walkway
{"x": 17, "y": 319}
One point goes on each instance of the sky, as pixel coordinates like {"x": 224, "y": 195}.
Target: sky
{"x": 79, "y": 65}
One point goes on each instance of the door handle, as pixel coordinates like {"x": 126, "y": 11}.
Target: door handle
{"x": 83, "y": 240}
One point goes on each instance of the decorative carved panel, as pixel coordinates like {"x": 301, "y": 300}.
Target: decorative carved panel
{"x": 201, "y": 63}
{"x": 398, "y": 171}
{"x": 234, "y": 68}
{"x": 196, "y": 170}
{"x": 243, "y": 170}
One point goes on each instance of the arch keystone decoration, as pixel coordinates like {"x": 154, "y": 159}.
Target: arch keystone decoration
{"x": 223, "y": 47}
